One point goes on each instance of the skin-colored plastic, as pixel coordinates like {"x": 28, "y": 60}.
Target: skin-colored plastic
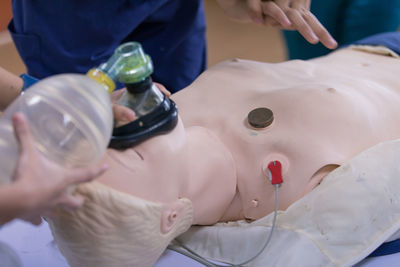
{"x": 326, "y": 111}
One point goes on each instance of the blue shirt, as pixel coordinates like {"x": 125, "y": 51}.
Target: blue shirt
{"x": 61, "y": 36}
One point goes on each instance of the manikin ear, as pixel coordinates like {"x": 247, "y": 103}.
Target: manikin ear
{"x": 171, "y": 214}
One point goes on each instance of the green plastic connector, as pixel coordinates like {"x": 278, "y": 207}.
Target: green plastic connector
{"x": 129, "y": 64}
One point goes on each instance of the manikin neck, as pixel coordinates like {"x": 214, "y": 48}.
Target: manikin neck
{"x": 212, "y": 180}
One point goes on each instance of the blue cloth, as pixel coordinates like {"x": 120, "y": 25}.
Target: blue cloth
{"x": 386, "y": 249}
{"x": 347, "y": 21}
{"x": 61, "y": 36}
{"x": 389, "y": 39}
{"x": 28, "y": 81}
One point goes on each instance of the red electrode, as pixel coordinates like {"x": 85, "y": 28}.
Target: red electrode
{"x": 275, "y": 170}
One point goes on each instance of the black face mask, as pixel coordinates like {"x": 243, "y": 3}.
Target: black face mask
{"x": 156, "y": 114}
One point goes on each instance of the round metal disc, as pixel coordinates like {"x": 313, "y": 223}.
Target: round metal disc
{"x": 260, "y": 117}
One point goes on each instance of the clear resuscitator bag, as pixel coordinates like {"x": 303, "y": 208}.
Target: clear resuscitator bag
{"x": 70, "y": 119}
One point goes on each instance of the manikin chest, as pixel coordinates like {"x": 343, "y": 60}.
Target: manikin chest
{"x": 324, "y": 114}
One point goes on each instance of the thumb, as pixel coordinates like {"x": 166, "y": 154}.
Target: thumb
{"x": 123, "y": 114}
{"x": 22, "y": 132}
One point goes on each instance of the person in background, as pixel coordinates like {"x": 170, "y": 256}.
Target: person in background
{"x": 55, "y": 37}
{"x": 347, "y": 21}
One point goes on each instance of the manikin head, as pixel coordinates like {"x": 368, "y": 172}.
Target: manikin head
{"x": 130, "y": 217}
{"x": 117, "y": 229}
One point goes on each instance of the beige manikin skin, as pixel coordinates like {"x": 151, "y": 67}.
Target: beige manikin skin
{"x": 326, "y": 111}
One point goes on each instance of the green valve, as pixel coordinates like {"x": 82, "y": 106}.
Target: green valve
{"x": 129, "y": 64}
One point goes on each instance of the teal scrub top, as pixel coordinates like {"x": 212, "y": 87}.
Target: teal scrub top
{"x": 347, "y": 21}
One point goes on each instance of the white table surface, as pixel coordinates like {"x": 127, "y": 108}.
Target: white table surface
{"x": 35, "y": 247}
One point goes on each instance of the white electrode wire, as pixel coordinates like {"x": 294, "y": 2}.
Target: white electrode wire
{"x": 182, "y": 249}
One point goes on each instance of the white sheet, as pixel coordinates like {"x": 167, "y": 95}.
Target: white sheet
{"x": 36, "y": 248}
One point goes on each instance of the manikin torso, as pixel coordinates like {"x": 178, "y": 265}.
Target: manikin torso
{"x": 325, "y": 112}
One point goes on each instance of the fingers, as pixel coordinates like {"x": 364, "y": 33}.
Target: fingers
{"x": 22, "y": 132}
{"x": 123, "y": 114}
{"x": 34, "y": 219}
{"x": 37, "y": 220}
{"x": 323, "y": 35}
{"x": 255, "y": 11}
{"x": 66, "y": 201}
{"x": 71, "y": 202}
{"x": 272, "y": 10}
{"x": 82, "y": 175}
{"x": 302, "y": 26}
{"x": 296, "y": 15}
{"x": 116, "y": 95}
{"x": 50, "y": 214}
{"x": 163, "y": 89}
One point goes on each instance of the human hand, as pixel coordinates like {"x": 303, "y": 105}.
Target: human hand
{"x": 297, "y": 12}
{"x": 287, "y": 14}
{"x": 124, "y": 115}
{"x": 243, "y": 10}
{"x": 42, "y": 183}
{"x": 163, "y": 89}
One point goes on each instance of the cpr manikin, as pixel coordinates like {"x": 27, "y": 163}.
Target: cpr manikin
{"x": 213, "y": 166}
